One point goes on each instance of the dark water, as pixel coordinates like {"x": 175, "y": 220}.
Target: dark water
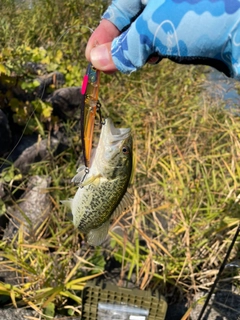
{"x": 218, "y": 86}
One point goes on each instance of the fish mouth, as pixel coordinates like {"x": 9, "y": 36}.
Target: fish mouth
{"x": 115, "y": 134}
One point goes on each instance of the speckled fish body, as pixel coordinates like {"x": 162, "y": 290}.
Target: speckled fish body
{"x": 103, "y": 193}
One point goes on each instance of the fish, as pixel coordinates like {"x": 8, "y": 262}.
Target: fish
{"x": 102, "y": 195}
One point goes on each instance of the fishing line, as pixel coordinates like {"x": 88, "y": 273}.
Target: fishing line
{"x": 219, "y": 273}
{"x": 4, "y": 160}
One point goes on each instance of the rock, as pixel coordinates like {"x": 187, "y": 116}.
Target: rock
{"x": 56, "y": 78}
{"x": 21, "y": 143}
{"x": 31, "y": 210}
{"x": 37, "y": 152}
{"x": 17, "y": 314}
{"x": 66, "y": 102}
{"x": 34, "y": 67}
{"x": 24, "y": 314}
{"x": 5, "y": 134}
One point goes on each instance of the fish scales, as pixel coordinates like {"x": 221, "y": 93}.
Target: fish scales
{"x": 103, "y": 193}
{"x": 101, "y": 207}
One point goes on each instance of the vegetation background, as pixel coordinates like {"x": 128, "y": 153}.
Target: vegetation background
{"x": 186, "y": 182}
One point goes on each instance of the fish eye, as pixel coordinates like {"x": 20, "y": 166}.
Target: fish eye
{"x": 125, "y": 150}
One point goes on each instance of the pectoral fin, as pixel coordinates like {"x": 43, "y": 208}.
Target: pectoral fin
{"x": 96, "y": 236}
{"x": 92, "y": 180}
{"x": 67, "y": 203}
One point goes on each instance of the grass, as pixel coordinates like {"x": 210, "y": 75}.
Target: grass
{"x": 185, "y": 188}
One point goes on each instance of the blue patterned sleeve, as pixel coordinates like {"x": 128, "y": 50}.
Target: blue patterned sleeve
{"x": 185, "y": 31}
{"x": 122, "y": 12}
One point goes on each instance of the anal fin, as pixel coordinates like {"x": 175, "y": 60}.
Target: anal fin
{"x": 96, "y": 236}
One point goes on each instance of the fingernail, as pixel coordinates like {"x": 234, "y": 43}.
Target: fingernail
{"x": 100, "y": 56}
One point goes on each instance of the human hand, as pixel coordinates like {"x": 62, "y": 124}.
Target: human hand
{"x": 98, "y": 49}
{"x": 203, "y": 32}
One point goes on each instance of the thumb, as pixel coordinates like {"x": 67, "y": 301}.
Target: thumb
{"x": 101, "y": 58}
{"x": 126, "y": 53}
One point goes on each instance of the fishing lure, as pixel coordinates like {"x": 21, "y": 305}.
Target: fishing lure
{"x": 90, "y": 105}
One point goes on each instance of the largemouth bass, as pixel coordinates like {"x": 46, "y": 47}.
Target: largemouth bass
{"x": 103, "y": 194}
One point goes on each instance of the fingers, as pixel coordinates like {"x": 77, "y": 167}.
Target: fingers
{"x": 101, "y": 48}
{"x": 98, "y": 49}
{"x": 101, "y": 58}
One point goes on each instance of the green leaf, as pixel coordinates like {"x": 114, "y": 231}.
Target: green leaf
{"x": 49, "y": 311}
{"x": 3, "y": 69}
{"x": 2, "y": 207}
